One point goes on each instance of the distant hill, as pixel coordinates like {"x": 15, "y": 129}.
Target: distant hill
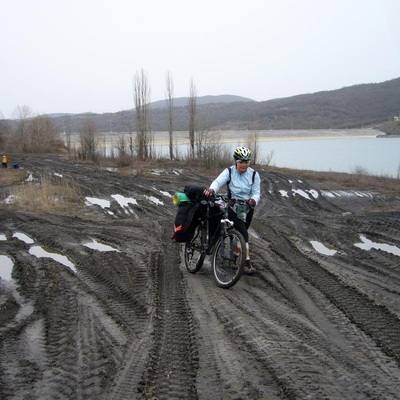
{"x": 202, "y": 100}
{"x": 349, "y": 107}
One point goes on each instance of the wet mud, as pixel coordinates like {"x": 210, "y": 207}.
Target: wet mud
{"x": 122, "y": 319}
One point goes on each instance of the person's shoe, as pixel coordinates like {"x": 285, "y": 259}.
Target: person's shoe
{"x": 249, "y": 268}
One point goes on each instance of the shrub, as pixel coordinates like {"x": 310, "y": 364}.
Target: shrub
{"x": 45, "y": 195}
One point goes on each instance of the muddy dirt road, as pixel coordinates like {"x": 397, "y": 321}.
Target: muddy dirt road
{"x": 98, "y": 304}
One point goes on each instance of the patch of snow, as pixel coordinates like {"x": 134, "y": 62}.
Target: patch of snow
{"x": 10, "y": 199}
{"x": 23, "y": 237}
{"x": 367, "y": 244}
{"x": 313, "y": 193}
{"x": 94, "y": 245}
{"x": 284, "y": 193}
{"x": 157, "y": 171}
{"x": 321, "y": 248}
{"x": 301, "y": 193}
{"x": 6, "y": 265}
{"x": 326, "y": 193}
{"x": 39, "y": 252}
{"x": 155, "y": 200}
{"x": 124, "y": 201}
{"x": 99, "y": 202}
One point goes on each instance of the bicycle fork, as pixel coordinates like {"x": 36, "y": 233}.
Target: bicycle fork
{"x": 226, "y": 223}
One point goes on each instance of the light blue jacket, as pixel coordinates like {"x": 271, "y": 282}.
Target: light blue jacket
{"x": 241, "y": 185}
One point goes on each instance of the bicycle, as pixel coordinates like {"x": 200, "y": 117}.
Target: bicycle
{"x": 226, "y": 245}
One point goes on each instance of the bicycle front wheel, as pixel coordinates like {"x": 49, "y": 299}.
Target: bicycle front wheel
{"x": 229, "y": 258}
{"x": 194, "y": 252}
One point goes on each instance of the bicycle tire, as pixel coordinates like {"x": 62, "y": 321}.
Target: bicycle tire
{"x": 228, "y": 267}
{"x": 194, "y": 252}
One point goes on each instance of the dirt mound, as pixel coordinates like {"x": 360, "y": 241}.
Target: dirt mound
{"x": 97, "y": 303}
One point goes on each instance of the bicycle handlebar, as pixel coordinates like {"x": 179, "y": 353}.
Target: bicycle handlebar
{"x": 217, "y": 200}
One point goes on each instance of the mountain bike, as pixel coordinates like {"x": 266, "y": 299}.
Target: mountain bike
{"x": 225, "y": 244}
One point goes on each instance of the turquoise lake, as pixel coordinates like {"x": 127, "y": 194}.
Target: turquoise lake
{"x": 376, "y": 156}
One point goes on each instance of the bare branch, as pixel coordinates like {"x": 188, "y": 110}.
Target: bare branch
{"x": 170, "y": 106}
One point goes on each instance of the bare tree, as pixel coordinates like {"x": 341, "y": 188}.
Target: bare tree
{"x": 192, "y": 109}
{"x": 124, "y": 156}
{"x": 89, "y": 139}
{"x": 68, "y": 133}
{"x": 20, "y": 138}
{"x": 252, "y": 143}
{"x": 141, "y": 91}
{"x": 170, "y": 107}
{"x": 4, "y": 131}
{"x": 43, "y": 136}
{"x": 127, "y": 124}
{"x": 202, "y": 137}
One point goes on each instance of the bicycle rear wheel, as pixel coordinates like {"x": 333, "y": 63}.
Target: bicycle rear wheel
{"x": 229, "y": 258}
{"x": 194, "y": 251}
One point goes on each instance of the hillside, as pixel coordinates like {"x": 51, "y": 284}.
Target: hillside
{"x": 349, "y": 107}
{"x": 203, "y": 100}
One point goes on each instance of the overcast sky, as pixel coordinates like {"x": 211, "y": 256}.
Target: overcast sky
{"x": 78, "y": 56}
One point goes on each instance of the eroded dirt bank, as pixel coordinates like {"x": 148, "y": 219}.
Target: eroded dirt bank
{"x": 320, "y": 319}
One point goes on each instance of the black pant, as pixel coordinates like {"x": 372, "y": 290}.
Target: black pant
{"x": 241, "y": 225}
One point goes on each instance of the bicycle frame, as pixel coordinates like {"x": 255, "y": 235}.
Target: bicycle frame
{"x": 224, "y": 225}
{"x": 227, "y": 266}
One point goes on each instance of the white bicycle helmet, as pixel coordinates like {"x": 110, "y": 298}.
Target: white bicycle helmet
{"x": 242, "y": 154}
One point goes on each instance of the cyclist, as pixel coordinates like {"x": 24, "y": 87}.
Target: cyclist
{"x": 243, "y": 183}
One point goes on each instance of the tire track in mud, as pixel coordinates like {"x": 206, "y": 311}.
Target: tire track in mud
{"x": 309, "y": 350}
{"x": 375, "y": 320}
{"x": 80, "y": 345}
{"x": 255, "y": 353}
{"x": 289, "y": 344}
{"x": 124, "y": 285}
{"x": 129, "y": 325}
{"x": 357, "y": 309}
{"x": 171, "y": 365}
{"x": 226, "y": 368}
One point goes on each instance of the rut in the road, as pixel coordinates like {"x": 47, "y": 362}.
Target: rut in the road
{"x": 172, "y": 365}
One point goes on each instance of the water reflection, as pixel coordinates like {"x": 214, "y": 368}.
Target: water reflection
{"x": 6, "y": 265}
{"x": 39, "y": 252}
{"x": 94, "y": 245}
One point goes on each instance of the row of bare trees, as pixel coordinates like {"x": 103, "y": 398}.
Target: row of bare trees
{"x": 38, "y": 134}
{"x": 201, "y": 143}
{"x": 29, "y": 134}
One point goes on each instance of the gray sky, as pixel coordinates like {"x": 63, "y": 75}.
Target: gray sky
{"x": 81, "y": 55}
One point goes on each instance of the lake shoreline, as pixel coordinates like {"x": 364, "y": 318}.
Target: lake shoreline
{"x": 182, "y": 137}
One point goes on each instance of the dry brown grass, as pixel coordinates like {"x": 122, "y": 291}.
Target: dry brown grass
{"x": 11, "y": 176}
{"x": 45, "y": 195}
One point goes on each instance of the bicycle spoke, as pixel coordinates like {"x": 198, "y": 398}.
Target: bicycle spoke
{"x": 194, "y": 254}
{"x": 228, "y": 259}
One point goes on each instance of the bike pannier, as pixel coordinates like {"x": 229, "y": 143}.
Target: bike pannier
{"x": 187, "y": 215}
{"x": 185, "y": 222}
{"x": 194, "y": 192}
